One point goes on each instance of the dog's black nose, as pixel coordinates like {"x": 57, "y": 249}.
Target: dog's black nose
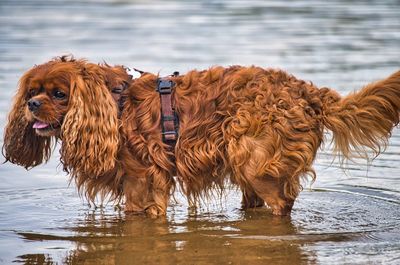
{"x": 34, "y": 104}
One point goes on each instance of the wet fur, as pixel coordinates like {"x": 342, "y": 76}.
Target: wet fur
{"x": 260, "y": 128}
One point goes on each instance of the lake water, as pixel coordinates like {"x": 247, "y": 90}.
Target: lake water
{"x": 349, "y": 216}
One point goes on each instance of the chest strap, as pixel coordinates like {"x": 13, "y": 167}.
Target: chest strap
{"x": 169, "y": 118}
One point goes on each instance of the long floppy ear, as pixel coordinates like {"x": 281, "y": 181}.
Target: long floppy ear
{"x": 89, "y": 132}
{"x": 22, "y": 146}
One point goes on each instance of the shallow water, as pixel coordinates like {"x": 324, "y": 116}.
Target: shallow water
{"x": 346, "y": 217}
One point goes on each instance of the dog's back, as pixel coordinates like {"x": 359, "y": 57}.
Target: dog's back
{"x": 263, "y": 128}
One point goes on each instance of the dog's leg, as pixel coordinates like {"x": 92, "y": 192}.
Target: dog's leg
{"x": 139, "y": 198}
{"x": 252, "y": 164}
{"x": 251, "y": 200}
{"x": 271, "y": 190}
{"x": 268, "y": 189}
{"x": 136, "y": 194}
{"x": 147, "y": 188}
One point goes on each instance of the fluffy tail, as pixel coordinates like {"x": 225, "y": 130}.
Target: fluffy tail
{"x": 364, "y": 120}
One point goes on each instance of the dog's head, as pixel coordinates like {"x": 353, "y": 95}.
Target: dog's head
{"x": 45, "y": 91}
{"x": 65, "y": 99}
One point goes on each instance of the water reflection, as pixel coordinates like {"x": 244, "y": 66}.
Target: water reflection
{"x": 353, "y": 218}
{"x": 121, "y": 240}
{"x": 319, "y": 219}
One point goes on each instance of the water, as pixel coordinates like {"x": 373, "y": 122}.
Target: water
{"x": 346, "y": 217}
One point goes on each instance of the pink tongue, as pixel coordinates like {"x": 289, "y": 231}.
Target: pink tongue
{"x": 40, "y": 125}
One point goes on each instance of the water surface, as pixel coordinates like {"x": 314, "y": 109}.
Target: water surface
{"x": 347, "y": 217}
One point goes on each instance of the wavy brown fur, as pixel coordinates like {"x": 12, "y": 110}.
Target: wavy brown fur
{"x": 248, "y": 122}
{"x": 251, "y": 123}
{"x": 364, "y": 120}
{"x": 141, "y": 127}
{"x": 22, "y": 146}
{"x": 89, "y": 131}
{"x": 260, "y": 128}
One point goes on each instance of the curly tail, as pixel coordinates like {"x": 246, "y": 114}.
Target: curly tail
{"x": 363, "y": 120}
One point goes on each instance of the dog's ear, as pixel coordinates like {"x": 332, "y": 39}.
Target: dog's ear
{"x": 22, "y": 146}
{"x": 90, "y": 129}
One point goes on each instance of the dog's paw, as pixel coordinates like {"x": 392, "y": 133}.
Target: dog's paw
{"x": 154, "y": 211}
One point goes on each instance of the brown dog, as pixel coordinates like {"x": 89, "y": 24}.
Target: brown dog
{"x": 261, "y": 128}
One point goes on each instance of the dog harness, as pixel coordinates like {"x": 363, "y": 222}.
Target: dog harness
{"x": 169, "y": 118}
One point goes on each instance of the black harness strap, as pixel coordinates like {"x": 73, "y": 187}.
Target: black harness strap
{"x": 169, "y": 118}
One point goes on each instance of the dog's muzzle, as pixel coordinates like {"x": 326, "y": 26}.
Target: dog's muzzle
{"x": 34, "y": 104}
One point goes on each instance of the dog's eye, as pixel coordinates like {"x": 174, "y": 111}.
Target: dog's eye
{"x": 31, "y": 93}
{"x": 59, "y": 95}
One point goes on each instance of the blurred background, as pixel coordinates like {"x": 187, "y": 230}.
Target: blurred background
{"x": 348, "y": 216}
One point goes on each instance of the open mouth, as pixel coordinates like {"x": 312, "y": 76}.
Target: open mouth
{"x": 44, "y": 127}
